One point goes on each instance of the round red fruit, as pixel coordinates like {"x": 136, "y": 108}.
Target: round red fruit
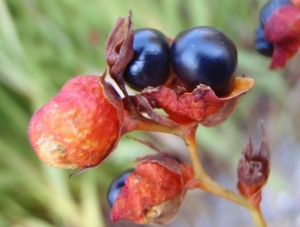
{"x": 79, "y": 127}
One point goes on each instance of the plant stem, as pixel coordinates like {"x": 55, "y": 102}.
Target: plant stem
{"x": 257, "y": 216}
{"x": 209, "y": 185}
{"x": 139, "y": 122}
{"x": 189, "y": 138}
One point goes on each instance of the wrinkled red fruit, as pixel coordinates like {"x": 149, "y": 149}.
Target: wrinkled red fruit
{"x": 78, "y": 127}
{"x": 154, "y": 191}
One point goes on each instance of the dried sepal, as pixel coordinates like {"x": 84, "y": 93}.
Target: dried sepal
{"x": 253, "y": 169}
{"x": 144, "y": 106}
{"x": 154, "y": 147}
{"x": 199, "y": 104}
{"x": 283, "y": 30}
{"x": 163, "y": 159}
{"x": 166, "y": 159}
{"x": 221, "y": 115}
{"x": 154, "y": 191}
{"x": 119, "y": 49}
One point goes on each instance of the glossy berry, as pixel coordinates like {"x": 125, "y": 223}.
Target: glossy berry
{"x": 263, "y": 46}
{"x": 116, "y": 186}
{"x": 205, "y": 55}
{"x": 151, "y": 62}
{"x": 270, "y": 7}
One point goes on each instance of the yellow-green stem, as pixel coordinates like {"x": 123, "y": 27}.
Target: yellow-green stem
{"x": 257, "y": 216}
{"x": 189, "y": 137}
{"x": 139, "y": 122}
{"x": 209, "y": 185}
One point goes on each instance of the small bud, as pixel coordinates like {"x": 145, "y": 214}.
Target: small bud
{"x": 253, "y": 168}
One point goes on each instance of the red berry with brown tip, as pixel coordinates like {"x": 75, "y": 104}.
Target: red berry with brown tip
{"x": 78, "y": 127}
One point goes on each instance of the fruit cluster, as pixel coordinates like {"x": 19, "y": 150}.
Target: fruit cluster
{"x": 199, "y": 55}
{"x": 278, "y": 35}
{"x": 192, "y": 78}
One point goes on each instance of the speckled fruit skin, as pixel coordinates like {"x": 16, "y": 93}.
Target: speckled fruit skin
{"x": 76, "y": 128}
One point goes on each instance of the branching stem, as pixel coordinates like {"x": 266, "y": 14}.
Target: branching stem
{"x": 209, "y": 185}
{"x": 188, "y": 133}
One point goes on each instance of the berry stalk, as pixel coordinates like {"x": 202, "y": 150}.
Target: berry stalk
{"x": 140, "y": 122}
{"x": 209, "y": 185}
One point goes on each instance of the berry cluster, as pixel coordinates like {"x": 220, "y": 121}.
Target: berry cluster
{"x": 277, "y": 36}
{"x": 200, "y": 55}
{"x": 192, "y": 78}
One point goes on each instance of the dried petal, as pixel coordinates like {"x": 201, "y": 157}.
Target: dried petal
{"x": 283, "y": 29}
{"x": 163, "y": 159}
{"x": 119, "y": 49}
{"x": 143, "y": 105}
{"x": 153, "y": 192}
{"x": 253, "y": 168}
{"x": 199, "y": 104}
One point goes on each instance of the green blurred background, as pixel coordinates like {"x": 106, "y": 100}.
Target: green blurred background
{"x": 45, "y": 42}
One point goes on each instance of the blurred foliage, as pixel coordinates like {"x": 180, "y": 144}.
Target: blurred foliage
{"x": 45, "y": 42}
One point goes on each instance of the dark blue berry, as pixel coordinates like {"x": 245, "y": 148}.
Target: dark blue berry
{"x": 151, "y": 60}
{"x": 205, "y": 55}
{"x": 116, "y": 186}
{"x": 263, "y": 46}
{"x": 269, "y": 8}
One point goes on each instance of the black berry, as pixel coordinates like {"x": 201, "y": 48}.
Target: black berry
{"x": 269, "y": 8}
{"x": 116, "y": 186}
{"x": 263, "y": 46}
{"x": 205, "y": 55}
{"x": 151, "y": 60}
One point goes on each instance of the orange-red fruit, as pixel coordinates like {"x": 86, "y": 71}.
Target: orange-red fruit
{"x": 78, "y": 127}
{"x": 147, "y": 192}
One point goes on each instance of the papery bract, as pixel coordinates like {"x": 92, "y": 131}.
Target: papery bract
{"x": 80, "y": 126}
{"x": 154, "y": 191}
{"x": 119, "y": 49}
{"x": 282, "y": 29}
{"x": 198, "y": 105}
